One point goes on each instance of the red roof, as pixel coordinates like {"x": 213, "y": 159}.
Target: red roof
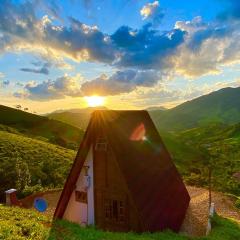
{"x": 154, "y": 183}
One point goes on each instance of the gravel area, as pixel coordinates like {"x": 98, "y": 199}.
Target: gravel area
{"x": 195, "y": 222}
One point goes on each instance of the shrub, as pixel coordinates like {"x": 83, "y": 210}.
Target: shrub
{"x": 237, "y": 203}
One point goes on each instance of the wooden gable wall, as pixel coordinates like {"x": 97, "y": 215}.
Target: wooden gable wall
{"x": 110, "y": 187}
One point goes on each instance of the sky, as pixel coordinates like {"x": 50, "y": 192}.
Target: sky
{"x": 135, "y": 53}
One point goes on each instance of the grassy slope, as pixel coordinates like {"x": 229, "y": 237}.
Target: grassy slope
{"x": 38, "y": 126}
{"x": 222, "y": 106}
{"x": 19, "y": 224}
{"x": 47, "y": 162}
{"x": 223, "y": 139}
{"x": 76, "y": 117}
{"x": 79, "y": 120}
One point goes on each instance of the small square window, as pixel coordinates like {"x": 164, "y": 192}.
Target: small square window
{"x": 114, "y": 211}
{"x": 81, "y": 196}
{"x": 101, "y": 144}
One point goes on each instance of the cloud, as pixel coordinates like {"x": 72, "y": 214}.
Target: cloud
{"x": 207, "y": 47}
{"x": 120, "y": 82}
{"x": 6, "y": 82}
{"x": 152, "y": 12}
{"x": 3, "y": 82}
{"x": 1, "y": 75}
{"x": 77, "y": 40}
{"x": 62, "y": 87}
{"x": 146, "y": 48}
{"x": 192, "y": 48}
{"x": 42, "y": 70}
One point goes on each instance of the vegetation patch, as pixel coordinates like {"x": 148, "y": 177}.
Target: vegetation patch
{"x": 31, "y": 165}
{"x": 19, "y": 224}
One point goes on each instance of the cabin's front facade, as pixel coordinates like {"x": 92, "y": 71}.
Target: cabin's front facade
{"x": 123, "y": 178}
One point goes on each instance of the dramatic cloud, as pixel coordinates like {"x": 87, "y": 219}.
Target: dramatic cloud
{"x": 146, "y": 48}
{"x": 60, "y": 88}
{"x": 207, "y": 47}
{"x": 78, "y": 41}
{"x": 152, "y": 12}
{"x": 42, "y": 70}
{"x": 120, "y": 82}
{"x": 192, "y": 49}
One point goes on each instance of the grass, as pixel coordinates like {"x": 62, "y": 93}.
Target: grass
{"x": 19, "y": 224}
{"x": 36, "y": 126}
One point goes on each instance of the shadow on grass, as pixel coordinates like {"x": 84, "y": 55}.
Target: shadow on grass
{"x": 223, "y": 229}
{"x": 65, "y": 230}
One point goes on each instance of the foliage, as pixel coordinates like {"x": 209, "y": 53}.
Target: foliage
{"x": 222, "y": 150}
{"x": 23, "y": 177}
{"x": 20, "y": 224}
{"x": 237, "y": 203}
{"x": 28, "y": 190}
{"x": 26, "y": 162}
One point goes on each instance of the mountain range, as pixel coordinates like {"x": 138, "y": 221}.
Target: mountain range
{"x": 222, "y": 106}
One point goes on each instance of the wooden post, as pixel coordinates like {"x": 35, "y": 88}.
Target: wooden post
{"x": 211, "y": 214}
{"x": 209, "y": 186}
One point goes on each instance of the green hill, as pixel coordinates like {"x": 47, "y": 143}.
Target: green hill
{"x": 29, "y": 162}
{"x": 222, "y": 106}
{"x": 223, "y": 144}
{"x": 76, "y": 117}
{"x": 34, "y": 125}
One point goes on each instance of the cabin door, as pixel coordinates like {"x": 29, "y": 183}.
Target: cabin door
{"x": 115, "y": 211}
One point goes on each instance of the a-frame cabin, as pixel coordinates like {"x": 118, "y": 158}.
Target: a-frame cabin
{"x": 123, "y": 178}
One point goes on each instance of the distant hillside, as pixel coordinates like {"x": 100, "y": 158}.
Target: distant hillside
{"x": 156, "y": 108}
{"x": 34, "y": 125}
{"x": 222, "y": 106}
{"x": 223, "y": 144}
{"x": 76, "y": 117}
{"x": 29, "y": 161}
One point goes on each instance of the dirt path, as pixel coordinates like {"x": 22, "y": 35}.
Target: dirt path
{"x": 197, "y": 215}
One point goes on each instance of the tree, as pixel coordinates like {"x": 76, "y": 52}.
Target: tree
{"x": 23, "y": 176}
{"x": 209, "y": 157}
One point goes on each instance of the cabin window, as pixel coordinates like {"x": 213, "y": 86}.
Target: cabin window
{"x": 114, "y": 210}
{"x": 81, "y": 196}
{"x": 101, "y": 144}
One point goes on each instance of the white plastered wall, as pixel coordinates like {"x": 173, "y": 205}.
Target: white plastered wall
{"x": 82, "y": 213}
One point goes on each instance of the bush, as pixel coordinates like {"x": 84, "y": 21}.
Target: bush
{"x": 237, "y": 203}
{"x": 28, "y": 190}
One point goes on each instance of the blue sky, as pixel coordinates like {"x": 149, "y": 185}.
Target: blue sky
{"x": 135, "y": 53}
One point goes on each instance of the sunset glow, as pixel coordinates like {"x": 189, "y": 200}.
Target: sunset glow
{"x": 95, "y": 101}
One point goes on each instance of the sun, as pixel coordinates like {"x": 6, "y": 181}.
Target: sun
{"x": 95, "y": 101}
